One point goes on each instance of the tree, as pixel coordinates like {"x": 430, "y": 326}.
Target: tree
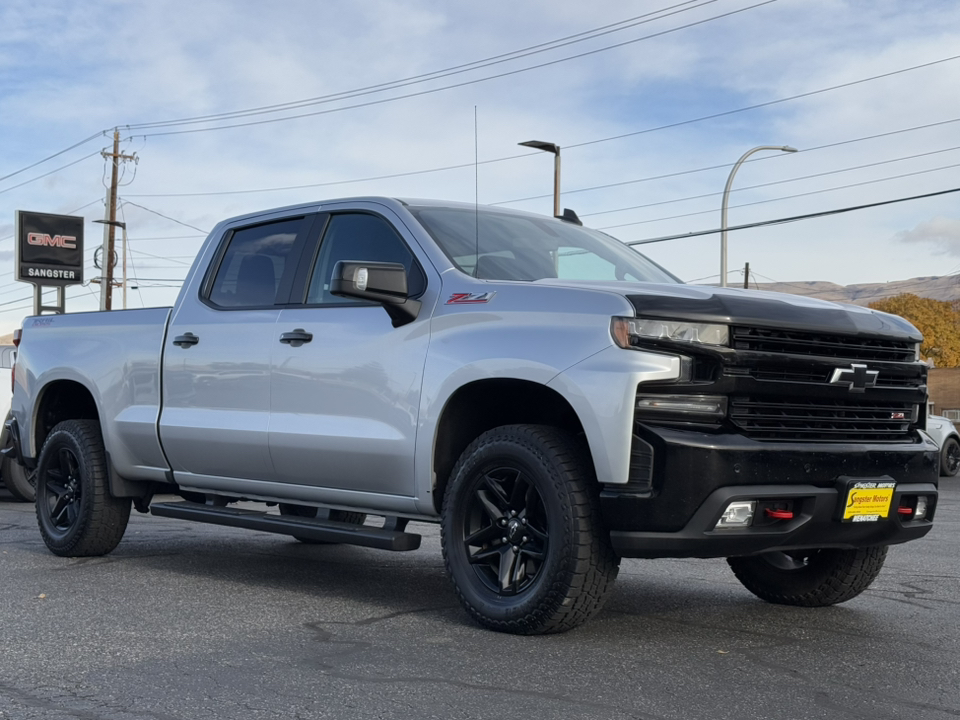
{"x": 939, "y": 321}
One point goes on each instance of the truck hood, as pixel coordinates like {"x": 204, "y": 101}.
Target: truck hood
{"x": 732, "y": 306}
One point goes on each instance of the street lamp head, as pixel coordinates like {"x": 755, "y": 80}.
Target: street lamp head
{"x": 540, "y": 145}
{"x": 787, "y": 148}
{"x": 115, "y": 223}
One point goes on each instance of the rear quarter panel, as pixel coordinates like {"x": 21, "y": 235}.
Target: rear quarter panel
{"x": 116, "y": 357}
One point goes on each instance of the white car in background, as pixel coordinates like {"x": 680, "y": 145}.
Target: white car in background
{"x": 943, "y": 432}
{"x": 12, "y": 474}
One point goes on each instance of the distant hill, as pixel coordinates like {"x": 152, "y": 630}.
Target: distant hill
{"x": 946, "y": 287}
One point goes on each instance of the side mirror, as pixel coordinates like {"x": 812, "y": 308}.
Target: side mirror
{"x": 384, "y": 283}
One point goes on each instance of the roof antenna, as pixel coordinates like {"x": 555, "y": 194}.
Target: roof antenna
{"x": 476, "y": 191}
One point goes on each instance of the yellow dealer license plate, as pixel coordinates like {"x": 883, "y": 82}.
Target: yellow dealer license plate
{"x": 868, "y": 501}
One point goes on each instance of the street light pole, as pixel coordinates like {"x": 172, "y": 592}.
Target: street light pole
{"x": 726, "y": 197}
{"x": 555, "y": 149}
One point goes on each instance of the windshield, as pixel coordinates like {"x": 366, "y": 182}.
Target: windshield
{"x": 499, "y": 246}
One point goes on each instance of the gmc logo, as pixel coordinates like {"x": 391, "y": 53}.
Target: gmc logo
{"x": 63, "y": 241}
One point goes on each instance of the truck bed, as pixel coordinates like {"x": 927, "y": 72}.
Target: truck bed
{"x": 116, "y": 357}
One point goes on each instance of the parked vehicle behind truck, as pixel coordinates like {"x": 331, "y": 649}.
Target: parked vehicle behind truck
{"x": 553, "y": 399}
{"x": 12, "y": 474}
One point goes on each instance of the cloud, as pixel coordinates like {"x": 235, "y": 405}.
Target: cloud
{"x": 942, "y": 231}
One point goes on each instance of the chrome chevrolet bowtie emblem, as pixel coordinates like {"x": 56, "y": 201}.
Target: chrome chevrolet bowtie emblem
{"x": 856, "y": 377}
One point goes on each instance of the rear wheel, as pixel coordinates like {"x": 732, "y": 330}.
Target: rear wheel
{"x": 18, "y": 481}
{"x": 75, "y": 511}
{"x": 344, "y": 516}
{"x": 809, "y": 578}
{"x": 950, "y": 457}
{"x": 521, "y": 532}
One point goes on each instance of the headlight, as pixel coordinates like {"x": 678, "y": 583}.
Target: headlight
{"x": 627, "y": 332}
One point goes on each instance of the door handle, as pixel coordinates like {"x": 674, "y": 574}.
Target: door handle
{"x": 186, "y": 340}
{"x": 296, "y": 338}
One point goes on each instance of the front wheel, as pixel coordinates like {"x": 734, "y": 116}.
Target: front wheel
{"x": 77, "y": 515}
{"x": 521, "y": 532}
{"x": 809, "y": 578}
{"x": 950, "y": 457}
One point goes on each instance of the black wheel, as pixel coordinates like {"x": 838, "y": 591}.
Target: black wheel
{"x": 18, "y": 481}
{"x": 950, "y": 457}
{"x": 76, "y": 513}
{"x": 809, "y": 578}
{"x": 346, "y": 516}
{"x": 521, "y": 532}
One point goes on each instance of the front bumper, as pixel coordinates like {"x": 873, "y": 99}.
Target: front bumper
{"x": 696, "y": 474}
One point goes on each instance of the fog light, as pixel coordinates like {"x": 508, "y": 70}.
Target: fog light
{"x": 739, "y": 514}
{"x": 921, "y": 512}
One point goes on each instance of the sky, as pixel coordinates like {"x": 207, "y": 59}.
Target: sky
{"x": 651, "y": 102}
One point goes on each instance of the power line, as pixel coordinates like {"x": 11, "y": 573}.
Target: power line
{"x": 160, "y": 257}
{"x": 523, "y": 155}
{"x": 51, "y": 172}
{"x": 335, "y": 182}
{"x": 779, "y": 182}
{"x": 133, "y": 265}
{"x": 69, "y": 212}
{"x": 768, "y": 103}
{"x": 436, "y": 74}
{"x": 165, "y": 237}
{"x": 51, "y": 157}
{"x": 553, "y": 44}
{"x": 724, "y": 166}
{"x": 460, "y": 84}
{"x": 792, "y": 218}
{"x": 680, "y": 123}
{"x": 786, "y": 197}
{"x": 166, "y": 217}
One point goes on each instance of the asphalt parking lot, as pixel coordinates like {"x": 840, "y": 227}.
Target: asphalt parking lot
{"x": 187, "y": 621}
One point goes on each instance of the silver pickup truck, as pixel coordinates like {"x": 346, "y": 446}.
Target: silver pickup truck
{"x": 553, "y": 399}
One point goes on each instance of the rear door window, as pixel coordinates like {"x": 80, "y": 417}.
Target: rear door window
{"x": 258, "y": 265}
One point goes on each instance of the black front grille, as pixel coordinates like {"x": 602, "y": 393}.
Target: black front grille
{"x": 795, "y": 342}
{"x": 820, "y": 375}
{"x": 823, "y": 420}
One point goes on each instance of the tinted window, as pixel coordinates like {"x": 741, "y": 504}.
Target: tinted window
{"x": 494, "y": 245}
{"x": 360, "y": 237}
{"x": 254, "y": 264}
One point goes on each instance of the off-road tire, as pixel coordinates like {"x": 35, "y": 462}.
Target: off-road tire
{"x": 97, "y": 520}
{"x": 578, "y": 565}
{"x": 950, "y": 457}
{"x": 18, "y": 480}
{"x": 825, "y": 577}
{"x": 345, "y": 516}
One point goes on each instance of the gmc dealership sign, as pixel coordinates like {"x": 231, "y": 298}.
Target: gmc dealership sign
{"x": 49, "y": 249}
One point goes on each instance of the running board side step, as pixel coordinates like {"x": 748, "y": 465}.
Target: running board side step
{"x": 389, "y": 537}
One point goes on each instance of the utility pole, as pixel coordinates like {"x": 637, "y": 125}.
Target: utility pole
{"x": 746, "y": 276}
{"x": 110, "y": 222}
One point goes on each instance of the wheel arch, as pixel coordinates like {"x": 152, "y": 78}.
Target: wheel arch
{"x": 57, "y": 401}
{"x": 482, "y": 405}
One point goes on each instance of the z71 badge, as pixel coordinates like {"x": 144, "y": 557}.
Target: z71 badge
{"x": 470, "y": 298}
